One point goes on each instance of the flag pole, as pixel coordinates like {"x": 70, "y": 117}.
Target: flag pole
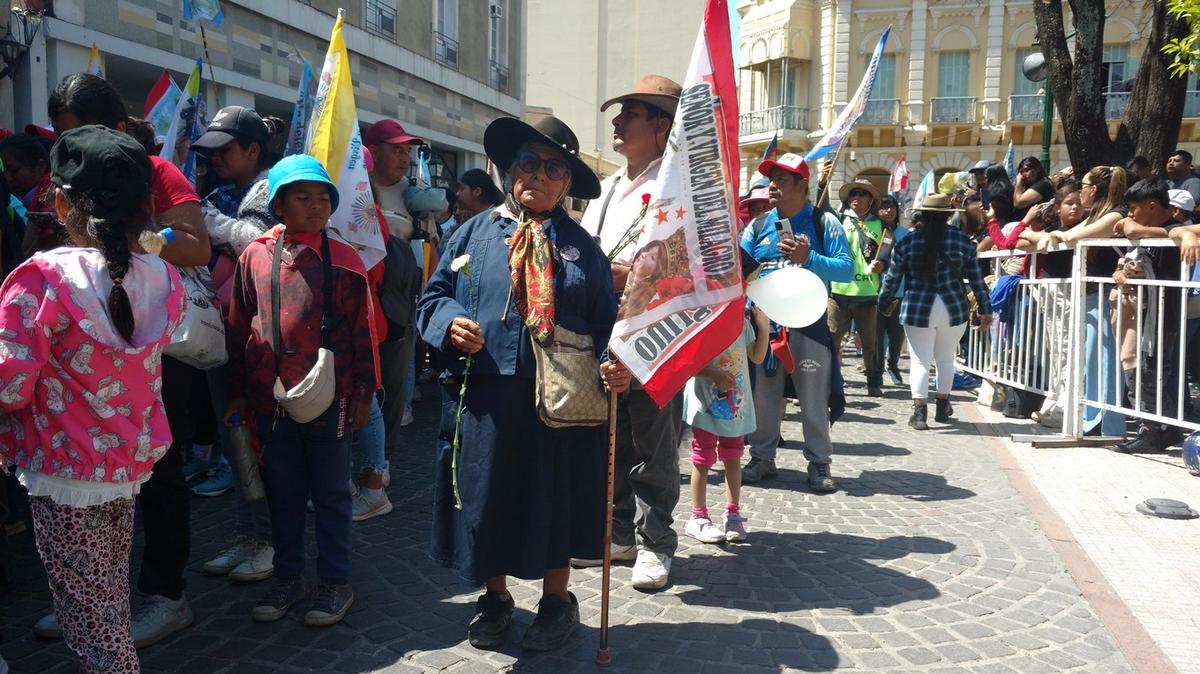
{"x": 602, "y": 657}
{"x": 837, "y": 153}
{"x": 204, "y": 39}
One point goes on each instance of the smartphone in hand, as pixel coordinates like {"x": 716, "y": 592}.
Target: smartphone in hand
{"x": 783, "y": 227}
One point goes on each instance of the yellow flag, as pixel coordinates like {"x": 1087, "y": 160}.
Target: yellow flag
{"x": 94, "y": 66}
{"x": 334, "y": 140}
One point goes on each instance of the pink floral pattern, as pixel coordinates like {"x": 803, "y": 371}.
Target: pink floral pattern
{"x": 71, "y": 404}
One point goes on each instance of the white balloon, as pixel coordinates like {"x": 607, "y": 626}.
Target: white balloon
{"x": 793, "y": 297}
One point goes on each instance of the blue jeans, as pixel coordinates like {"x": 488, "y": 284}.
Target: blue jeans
{"x": 1099, "y": 369}
{"x": 304, "y": 460}
{"x": 371, "y": 441}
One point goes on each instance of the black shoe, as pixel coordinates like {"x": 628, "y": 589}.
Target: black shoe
{"x": 819, "y": 479}
{"x": 874, "y": 391}
{"x": 894, "y": 373}
{"x": 920, "y": 417}
{"x": 329, "y": 605}
{"x": 1147, "y": 440}
{"x": 283, "y": 595}
{"x": 556, "y": 621}
{"x": 944, "y": 411}
{"x": 489, "y": 625}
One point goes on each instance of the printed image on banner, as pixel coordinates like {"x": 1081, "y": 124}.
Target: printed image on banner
{"x": 334, "y": 140}
{"x": 854, "y": 109}
{"x": 683, "y": 301}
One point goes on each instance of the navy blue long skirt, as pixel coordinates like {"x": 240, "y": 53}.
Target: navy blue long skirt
{"x": 533, "y": 497}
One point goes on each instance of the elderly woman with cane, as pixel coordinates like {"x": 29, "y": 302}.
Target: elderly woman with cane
{"x": 522, "y": 306}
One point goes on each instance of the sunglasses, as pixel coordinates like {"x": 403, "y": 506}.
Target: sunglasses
{"x": 859, "y": 193}
{"x": 529, "y": 162}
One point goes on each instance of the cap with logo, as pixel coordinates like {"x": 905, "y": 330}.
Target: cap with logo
{"x": 232, "y": 123}
{"x": 790, "y": 162}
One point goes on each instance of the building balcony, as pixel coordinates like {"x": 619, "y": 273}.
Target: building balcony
{"x": 771, "y": 120}
{"x": 952, "y": 110}
{"x": 498, "y": 76}
{"x": 1025, "y": 107}
{"x": 881, "y": 112}
{"x": 445, "y": 49}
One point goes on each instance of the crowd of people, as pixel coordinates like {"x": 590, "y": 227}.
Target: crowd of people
{"x": 102, "y": 407}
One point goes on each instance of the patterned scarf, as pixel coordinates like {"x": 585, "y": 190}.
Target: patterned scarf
{"x": 531, "y": 264}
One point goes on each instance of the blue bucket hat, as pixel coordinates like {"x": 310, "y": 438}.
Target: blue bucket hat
{"x": 299, "y": 168}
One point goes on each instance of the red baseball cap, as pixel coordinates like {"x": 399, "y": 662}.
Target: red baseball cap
{"x": 389, "y": 131}
{"x": 41, "y": 131}
{"x": 790, "y": 162}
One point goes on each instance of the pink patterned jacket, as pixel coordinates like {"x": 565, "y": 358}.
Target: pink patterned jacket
{"x": 76, "y": 400}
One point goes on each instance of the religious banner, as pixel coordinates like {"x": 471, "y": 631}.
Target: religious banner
{"x": 334, "y": 140}
{"x": 684, "y": 300}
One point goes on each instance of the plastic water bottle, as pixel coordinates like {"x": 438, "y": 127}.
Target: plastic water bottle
{"x": 245, "y": 461}
{"x": 1191, "y": 453}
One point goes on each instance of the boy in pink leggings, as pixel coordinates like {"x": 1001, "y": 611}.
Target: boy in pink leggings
{"x": 720, "y": 409}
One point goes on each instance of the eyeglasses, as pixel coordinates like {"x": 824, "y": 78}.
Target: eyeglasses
{"x": 859, "y": 193}
{"x": 529, "y": 162}
{"x": 1087, "y": 184}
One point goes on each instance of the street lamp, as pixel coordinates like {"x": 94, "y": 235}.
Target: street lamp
{"x": 23, "y": 26}
{"x": 1035, "y": 71}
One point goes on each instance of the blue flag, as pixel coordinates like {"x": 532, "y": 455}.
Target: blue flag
{"x": 769, "y": 153}
{"x": 306, "y": 97}
{"x": 203, "y": 10}
{"x": 854, "y": 109}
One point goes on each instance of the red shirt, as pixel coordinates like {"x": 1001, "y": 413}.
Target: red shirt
{"x": 169, "y": 186}
{"x": 252, "y": 359}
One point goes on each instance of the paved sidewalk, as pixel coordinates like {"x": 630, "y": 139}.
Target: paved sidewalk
{"x": 928, "y": 560}
{"x": 1151, "y": 564}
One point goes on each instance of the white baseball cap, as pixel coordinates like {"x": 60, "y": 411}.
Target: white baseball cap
{"x": 1182, "y": 199}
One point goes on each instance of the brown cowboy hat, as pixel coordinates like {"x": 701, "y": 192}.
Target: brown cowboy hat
{"x": 505, "y": 135}
{"x": 661, "y": 92}
{"x": 937, "y": 203}
{"x": 844, "y": 192}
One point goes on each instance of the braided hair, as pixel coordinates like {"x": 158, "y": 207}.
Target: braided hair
{"x": 108, "y": 220}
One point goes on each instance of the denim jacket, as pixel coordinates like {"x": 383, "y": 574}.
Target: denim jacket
{"x": 583, "y": 292}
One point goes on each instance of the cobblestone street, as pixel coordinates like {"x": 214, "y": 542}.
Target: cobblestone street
{"x": 928, "y": 559}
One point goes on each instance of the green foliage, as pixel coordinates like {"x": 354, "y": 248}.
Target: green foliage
{"x": 1186, "y": 50}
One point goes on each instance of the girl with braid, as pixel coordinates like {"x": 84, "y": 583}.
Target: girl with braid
{"x": 82, "y": 330}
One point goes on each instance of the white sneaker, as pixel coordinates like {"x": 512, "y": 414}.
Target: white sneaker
{"x": 370, "y": 503}
{"x": 387, "y": 474}
{"x": 407, "y": 419}
{"x": 618, "y": 553}
{"x": 158, "y": 618}
{"x": 703, "y": 530}
{"x": 48, "y": 627}
{"x": 735, "y": 528}
{"x": 651, "y": 570}
{"x": 229, "y": 558}
{"x": 258, "y": 565}
{"x": 3, "y": 665}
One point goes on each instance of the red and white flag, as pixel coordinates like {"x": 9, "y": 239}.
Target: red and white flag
{"x": 683, "y": 303}
{"x": 898, "y": 184}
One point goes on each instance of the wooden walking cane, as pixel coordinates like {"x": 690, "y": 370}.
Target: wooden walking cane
{"x": 602, "y": 657}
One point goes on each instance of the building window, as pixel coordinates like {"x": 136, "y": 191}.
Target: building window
{"x": 1023, "y": 85}
{"x": 498, "y": 44}
{"x": 445, "y": 32}
{"x": 882, "y": 105}
{"x": 954, "y": 72}
{"x": 381, "y": 17}
{"x": 1116, "y": 67}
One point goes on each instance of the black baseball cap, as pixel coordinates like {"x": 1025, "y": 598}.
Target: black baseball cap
{"x": 232, "y": 123}
{"x": 95, "y": 159}
{"x": 478, "y": 178}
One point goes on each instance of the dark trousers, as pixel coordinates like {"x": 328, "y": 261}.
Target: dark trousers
{"x": 889, "y": 332}
{"x": 165, "y": 499}
{"x": 304, "y": 460}
{"x": 646, "y": 477}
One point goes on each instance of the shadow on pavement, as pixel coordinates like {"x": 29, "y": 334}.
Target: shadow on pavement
{"x": 914, "y": 485}
{"x": 786, "y": 572}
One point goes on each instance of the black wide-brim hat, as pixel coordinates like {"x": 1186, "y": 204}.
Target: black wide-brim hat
{"x": 505, "y": 134}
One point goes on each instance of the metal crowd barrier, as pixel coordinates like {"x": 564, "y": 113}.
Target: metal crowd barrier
{"x": 1037, "y": 342}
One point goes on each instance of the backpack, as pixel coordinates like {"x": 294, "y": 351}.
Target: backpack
{"x": 400, "y": 286}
